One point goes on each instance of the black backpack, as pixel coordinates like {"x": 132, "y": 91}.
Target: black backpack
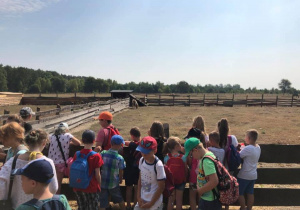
{"x": 50, "y": 204}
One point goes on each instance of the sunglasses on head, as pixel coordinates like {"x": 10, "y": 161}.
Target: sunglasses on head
{"x": 146, "y": 145}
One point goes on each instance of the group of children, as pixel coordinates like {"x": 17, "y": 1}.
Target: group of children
{"x": 143, "y": 167}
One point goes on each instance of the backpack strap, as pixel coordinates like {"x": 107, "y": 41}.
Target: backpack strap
{"x": 12, "y": 176}
{"x": 61, "y": 150}
{"x": 155, "y": 161}
{"x": 19, "y": 148}
{"x": 216, "y": 195}
{"x": 38, "y": 204}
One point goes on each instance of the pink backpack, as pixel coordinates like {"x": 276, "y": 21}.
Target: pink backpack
{"x": 228, "y": 186}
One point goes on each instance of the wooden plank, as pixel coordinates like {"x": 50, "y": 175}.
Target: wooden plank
{"x": 278, "y": 176}
{"x": 275, "y": 153}
{"x": 276, "y": 197}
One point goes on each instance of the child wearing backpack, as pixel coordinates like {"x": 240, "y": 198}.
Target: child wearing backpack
{"x": 151, "y": 182}
{"x": 248, "y": 174}
{"x": 214, "y": 141}
{"x": 132, "y": 171}
{"x": 207, "y": 179}
{"x": 157, "y": 132}
{"x": 112, "y": 174}
{"x": 177, "y": 165}
{"x": 36, "y": 177}
{"x": 103, "y": 141}
{"x": 86, "y": 168}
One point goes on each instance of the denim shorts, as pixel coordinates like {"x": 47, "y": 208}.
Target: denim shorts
{"x": 114, "y": 193}
{"x": 246, "y": 186}
{"x": 180, "y": 186}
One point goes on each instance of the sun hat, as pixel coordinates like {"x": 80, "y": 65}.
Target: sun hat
{"x": 190, "y": 144}
{"x": 39, "y": 170}
{"x": 63, "y": 126}
{"x": 117, "y": 139}
{"x": 105, "y": 116}
{"x": 26, "y": 111}
{"x": 147, "y": 144}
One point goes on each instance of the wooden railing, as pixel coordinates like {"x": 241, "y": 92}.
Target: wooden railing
{"x": 220, "y": 100}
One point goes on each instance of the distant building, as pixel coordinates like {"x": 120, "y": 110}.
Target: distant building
{"x": 120, "y": 93}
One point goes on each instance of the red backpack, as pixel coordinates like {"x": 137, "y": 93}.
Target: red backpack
{"x": 228, "y": 186}
{"x": 112, "y": 131}
{"x": 169, "y": 182}
{"x": 177, "y": 167}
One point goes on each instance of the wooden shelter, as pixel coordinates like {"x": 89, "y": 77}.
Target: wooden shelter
{"x": 120, "y": 93}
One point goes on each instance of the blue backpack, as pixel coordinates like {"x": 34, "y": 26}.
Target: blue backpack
{"x": 51, "y": 204}
{"x": 232, "y": 156}
{"x": 79, "y": 171}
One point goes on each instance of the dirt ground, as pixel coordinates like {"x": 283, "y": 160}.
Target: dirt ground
{"x": 276, "y": 125}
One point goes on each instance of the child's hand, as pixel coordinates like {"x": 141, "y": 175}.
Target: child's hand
{"x": 147, "y": 205}
{"x": 140, "y": 201}
{"x": 199, "y": 190}
{"x": 98, "y": 149}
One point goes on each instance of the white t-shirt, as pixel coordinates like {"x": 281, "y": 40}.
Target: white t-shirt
{"x": 234, "y": 141}
{"x": 17, "y": 194}
{"x": 54, "y": 151}
{"x": 149, "y": 180}
{"x": 250, "y": 154}
{"x": 218, "y": 152}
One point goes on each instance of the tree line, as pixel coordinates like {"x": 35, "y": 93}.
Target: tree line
{"x": 26, "y": 80}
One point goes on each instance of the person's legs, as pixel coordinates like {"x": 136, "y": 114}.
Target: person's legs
{"x": 135, "y": 188}
{"x": 116, "y": 197}
{"x": 178, "y": 198}
{"x": 209, "y": 205}
{"x": 60, "y": 176}
{"x": 171, "y": 200}
{"x": 128, "y": 196}
{"x": 250, "y": 194}
{"x": 250, "y": 201}
{"x": 242, "y": 188}
{"x": 103, "y": 198}
{"x": 193, "y": 199}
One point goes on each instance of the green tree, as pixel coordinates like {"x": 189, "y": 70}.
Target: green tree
{"x": 3, "y": 80}
{"x": 58, "y": 84}
{"x": 183, "y": 87}
{"x": 284, "y": 85}
{"x": 72, "y": 86}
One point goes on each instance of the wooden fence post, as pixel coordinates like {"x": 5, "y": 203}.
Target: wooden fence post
{"x": 276, "y": 100}
{"x": 159, "y": 100}
{"x": 166, "y": 130}
{"x": 232, "y": 99}
{"x": 189, "y": 100}
{"x": 262, "y": 99}
{"x": 246, "y": 100}
{"x": 203, "y": 99}
{"x": 40, "y": 94}
{"x": 173, "y": 100}
{"x": 292, "y": 100}
{"x": 37, "y": 116}
{"x": 217, "y": 99}
{"x": 75, "y": 94}
{"x": 58, "y": 107}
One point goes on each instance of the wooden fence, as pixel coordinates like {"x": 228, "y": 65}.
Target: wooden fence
{"x": 74, "y": 115}
{"x": 221, "y": 100}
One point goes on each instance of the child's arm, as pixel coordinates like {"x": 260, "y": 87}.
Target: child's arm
{"x": 98, "y": 176}
{"x": 75, "y": 141}
{"x": 139, "y": 199}
{"x": 211, "y": 184}
{"x": 120, "y": 176}
{"x": 156, "y": 195}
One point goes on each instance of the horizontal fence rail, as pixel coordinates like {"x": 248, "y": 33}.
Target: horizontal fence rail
{"x": 220, "y": 100}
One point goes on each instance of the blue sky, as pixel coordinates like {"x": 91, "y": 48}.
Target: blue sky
{"x": 252, "y": 43}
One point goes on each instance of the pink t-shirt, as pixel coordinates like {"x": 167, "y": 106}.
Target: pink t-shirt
{"x": 102, "y": 135}
{"x": 193, "y": 174}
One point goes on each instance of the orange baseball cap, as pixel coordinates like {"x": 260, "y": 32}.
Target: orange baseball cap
{"x": 105, "y": 116}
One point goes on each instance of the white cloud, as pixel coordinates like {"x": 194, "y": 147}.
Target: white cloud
{"x": 23, "y": 6}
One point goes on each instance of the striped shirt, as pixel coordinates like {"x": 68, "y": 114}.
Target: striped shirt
{"x": 113, "y": 162}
